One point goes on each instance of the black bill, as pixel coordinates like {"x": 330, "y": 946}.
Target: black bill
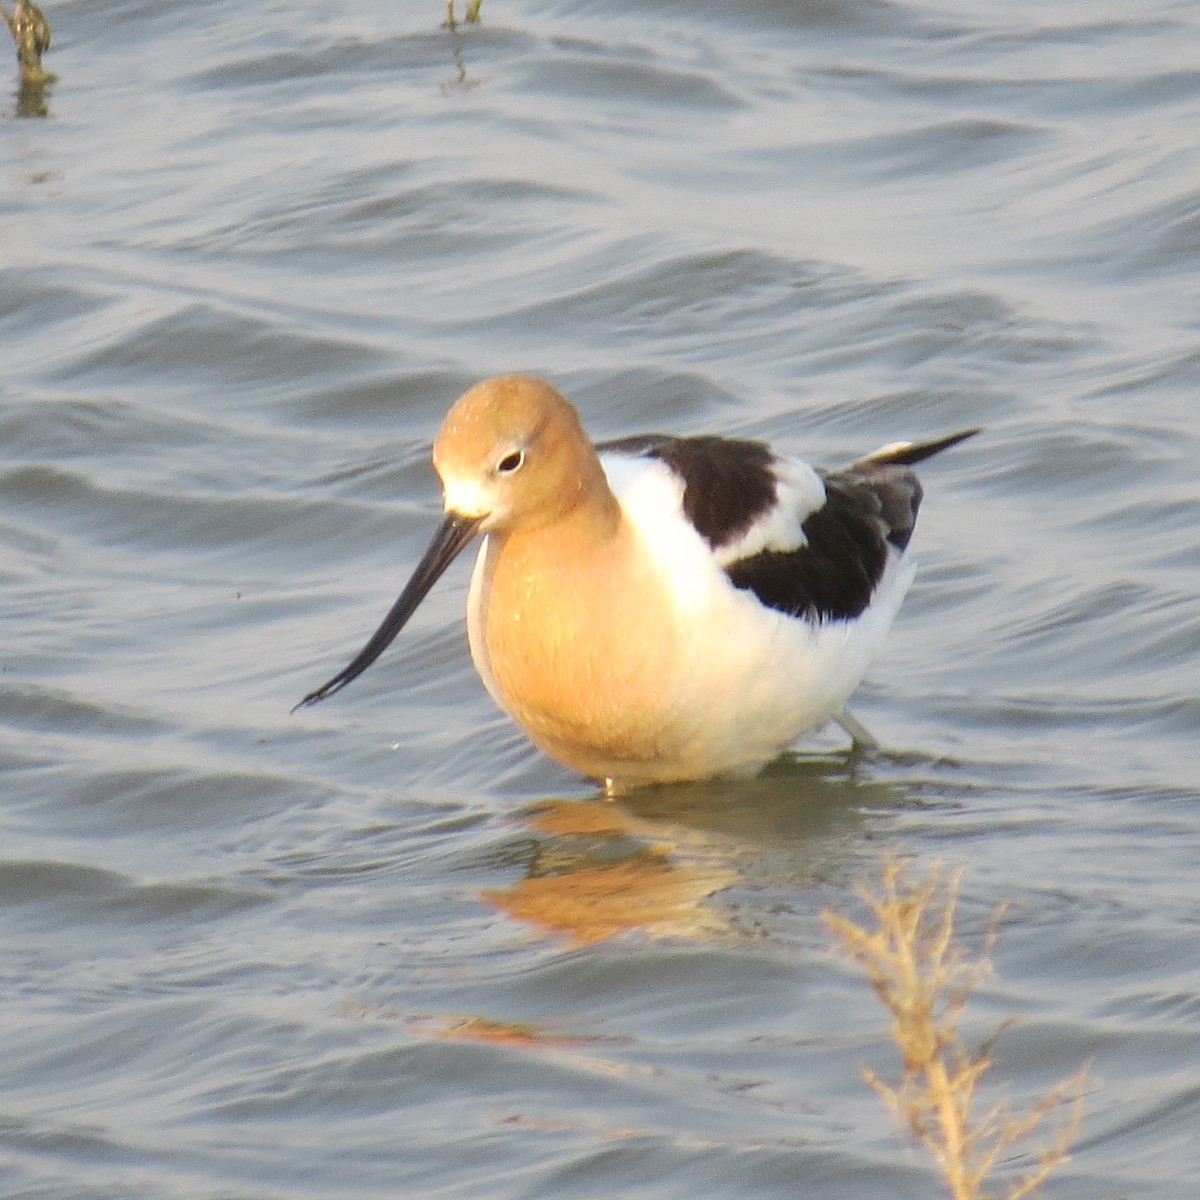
{"x": 452, "y": 535}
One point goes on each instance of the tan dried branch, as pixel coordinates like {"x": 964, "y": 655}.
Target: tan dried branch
{"x": 924, "y": 978}
{"x": 471, "y": 18}
{"x": 31, "y": 33}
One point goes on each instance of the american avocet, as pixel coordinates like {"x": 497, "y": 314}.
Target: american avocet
{"x": 661, "y": 608}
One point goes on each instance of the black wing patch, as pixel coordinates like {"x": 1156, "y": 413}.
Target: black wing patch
{"x": 833, "y": 577}
{"x": 870, "y": 510}
{"x": 870, "y": 506}
{"x": 727, "y": 482}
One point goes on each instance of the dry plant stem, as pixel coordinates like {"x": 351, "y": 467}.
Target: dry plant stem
{"x": 923, "y": 979}
{"x": 472, "y": 17}
{"x": 31, "y": 32}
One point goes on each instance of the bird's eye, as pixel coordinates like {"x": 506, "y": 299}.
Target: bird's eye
{"x": 511, "y": 462}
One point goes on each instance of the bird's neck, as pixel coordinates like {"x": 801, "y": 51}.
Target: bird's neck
{"x": 573, "y": 628}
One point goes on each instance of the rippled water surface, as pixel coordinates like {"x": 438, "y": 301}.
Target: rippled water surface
{"x": 383, "y": 947}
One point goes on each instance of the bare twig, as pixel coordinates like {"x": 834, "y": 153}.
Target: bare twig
{"x": 923, "y": 979}
{"x": 472, "y": 15}
{"x": 31, "y": 32}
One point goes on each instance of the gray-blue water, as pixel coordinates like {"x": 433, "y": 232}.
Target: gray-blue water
{"x": 383, "y": 948}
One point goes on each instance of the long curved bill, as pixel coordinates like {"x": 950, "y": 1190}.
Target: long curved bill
{"x": 452, "y": 536}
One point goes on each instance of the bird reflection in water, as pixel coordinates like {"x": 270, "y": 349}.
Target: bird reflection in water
{"x": 654, "y": 863}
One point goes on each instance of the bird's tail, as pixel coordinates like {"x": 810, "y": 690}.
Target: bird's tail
{"x": 906, "y": 454}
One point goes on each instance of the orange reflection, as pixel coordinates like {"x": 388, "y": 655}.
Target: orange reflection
{"x": 602, "y": 872}
{"x": 484, "y": 1029}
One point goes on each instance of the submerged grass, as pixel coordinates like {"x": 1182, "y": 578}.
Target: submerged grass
{"x": 924, "y": 978}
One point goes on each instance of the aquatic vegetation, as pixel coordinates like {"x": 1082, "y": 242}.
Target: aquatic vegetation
{"x": 472, "y": 15}
{"x": 31, "y": 32}
{"x": 924, "y": 977}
